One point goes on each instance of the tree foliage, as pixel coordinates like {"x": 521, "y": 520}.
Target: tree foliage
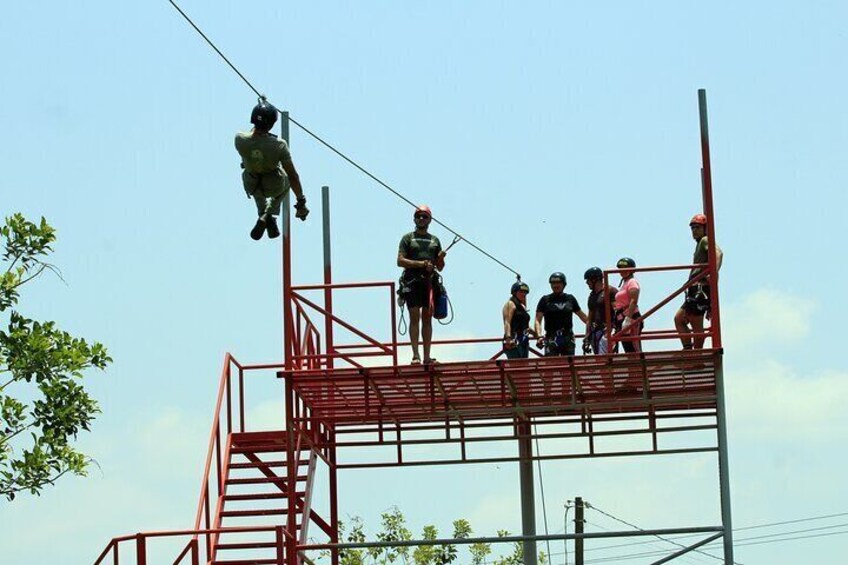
{"x": 393, "y": 528}
{"x": 43, "y": 405}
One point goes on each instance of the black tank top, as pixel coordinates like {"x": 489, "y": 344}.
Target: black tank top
{"x": 520, "y": 318}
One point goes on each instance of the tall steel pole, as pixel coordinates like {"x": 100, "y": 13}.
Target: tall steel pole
{"x": 528, "y": 501}
{"x": 707, "y": 194}
{"x": 288, "y": 318}
{"x": 328, "y": 275}
{"x": 715, "y": 323}
{"x": 328, "y": 340}
{"x": 723, "y": 463}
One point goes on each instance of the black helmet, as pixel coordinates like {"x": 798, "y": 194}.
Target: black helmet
{"x": 626, "y": 263}
{"x": 593, "y": 273}
{"x": 519, "y": 286}
{"x": 264, "y": 115}
{"x": 557, "y": 277}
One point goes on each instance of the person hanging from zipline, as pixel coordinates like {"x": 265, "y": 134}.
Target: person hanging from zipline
{"x": 421, "y": 256}
{"x": 268, "y": 171}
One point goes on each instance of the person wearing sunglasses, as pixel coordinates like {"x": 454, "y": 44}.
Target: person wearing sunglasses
{"x": 689, "y": 318}
{"x": 420, "y": 255}
{"x": 268, "y": 171}
{"x": 516, "y": 323}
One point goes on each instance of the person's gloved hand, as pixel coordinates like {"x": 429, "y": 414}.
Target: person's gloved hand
{"x": 301, "y": 210}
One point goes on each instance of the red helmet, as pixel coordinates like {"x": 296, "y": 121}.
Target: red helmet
{"x": 698, "y": 220}
{"x": 423, "y": 209}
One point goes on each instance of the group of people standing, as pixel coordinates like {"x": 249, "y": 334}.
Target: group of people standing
{"x": 607, "y": 307}
{"x": 553, "y": 327}
{"x": 421, "y": 256}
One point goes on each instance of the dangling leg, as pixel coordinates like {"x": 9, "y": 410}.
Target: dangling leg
{"x": 275, "y": 185}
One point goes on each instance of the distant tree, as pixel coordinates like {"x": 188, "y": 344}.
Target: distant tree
{"x": 41, "y": 366}
{"x": 394, "y": 528}
{"x": 356, "y": 535}
{"x": 517, "y": 555}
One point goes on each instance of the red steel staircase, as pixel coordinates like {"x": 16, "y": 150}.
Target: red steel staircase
{"x": 256, "y": 492}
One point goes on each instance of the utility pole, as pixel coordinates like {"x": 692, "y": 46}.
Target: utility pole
{"x": 578, "y": 529}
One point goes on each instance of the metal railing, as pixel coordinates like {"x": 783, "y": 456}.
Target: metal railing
{"x": 285, "y": 546}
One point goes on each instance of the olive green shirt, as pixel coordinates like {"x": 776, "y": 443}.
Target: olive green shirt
{"x": 417, "y": 247}
{"x": 262, "y": 152}
{"x": 701, "y": 255}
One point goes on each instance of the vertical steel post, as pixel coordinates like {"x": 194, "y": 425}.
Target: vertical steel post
{"x": 578, "y": 529}
{"x": 195, "y": 552}
{"x": 288, "y": 323}
{"x": 334, "y": 500}
{"x": 328, "y": 276}
{"x": 140, "y": 549}
{"x": 723, "y": 463}
{"x": 528, "y": 501}
{"x": 707, "y": 193}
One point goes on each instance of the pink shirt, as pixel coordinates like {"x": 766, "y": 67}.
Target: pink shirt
{"x": 622, "y": 297}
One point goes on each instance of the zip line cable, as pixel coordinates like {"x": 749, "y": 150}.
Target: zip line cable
{"x": 329, "y": 146}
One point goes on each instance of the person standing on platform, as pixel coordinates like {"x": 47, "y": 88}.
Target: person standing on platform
{"x": 420, "y": 255}
{"x": 557, "y": 309}
{"x": 516, "y": 322}
{"x": 599, "y": 306}
{"x": 627, "y": 306}
{"x": 268, "y": 171}
{"x": 689, "y": 318}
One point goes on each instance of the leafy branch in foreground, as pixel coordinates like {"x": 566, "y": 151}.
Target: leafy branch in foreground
{"x": 43, "y": 405}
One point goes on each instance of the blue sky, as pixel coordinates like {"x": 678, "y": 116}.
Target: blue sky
{"x": 555, "y": 135}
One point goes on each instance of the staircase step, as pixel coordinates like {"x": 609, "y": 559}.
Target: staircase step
{"x": 275, "y": 439}
{"x": 274, "y": 464}
{"x": 246, "y": 562}
{"x": 257, "y": 512}
{"x": 255, "y": 496}
{"x": 258, "y": 448}
{"x": 246, "y": 545}
{"x": 261, "y": 480}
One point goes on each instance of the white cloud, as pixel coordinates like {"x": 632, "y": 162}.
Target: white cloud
{"x": 772, "y": 401}
{"x": 766, "y": 314}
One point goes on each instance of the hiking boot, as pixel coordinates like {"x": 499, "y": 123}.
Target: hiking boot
{"x": 271, "y": 226}
{"x": 258, "y": 229}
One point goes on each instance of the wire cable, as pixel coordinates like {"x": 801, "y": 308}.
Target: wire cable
{"x": 329, "y": 146}
{"x": 659, "y": 537}
{"x": 542, "y": 489}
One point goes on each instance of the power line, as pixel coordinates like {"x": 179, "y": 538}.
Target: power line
{"x": 823, "y": 517}
{"x": 329, "y": 146}
{"x": 657, "y": 536}
{"x": 756, "y": 540}
{"x": 659, "y": 549}
{"x": 741, "y": 542}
